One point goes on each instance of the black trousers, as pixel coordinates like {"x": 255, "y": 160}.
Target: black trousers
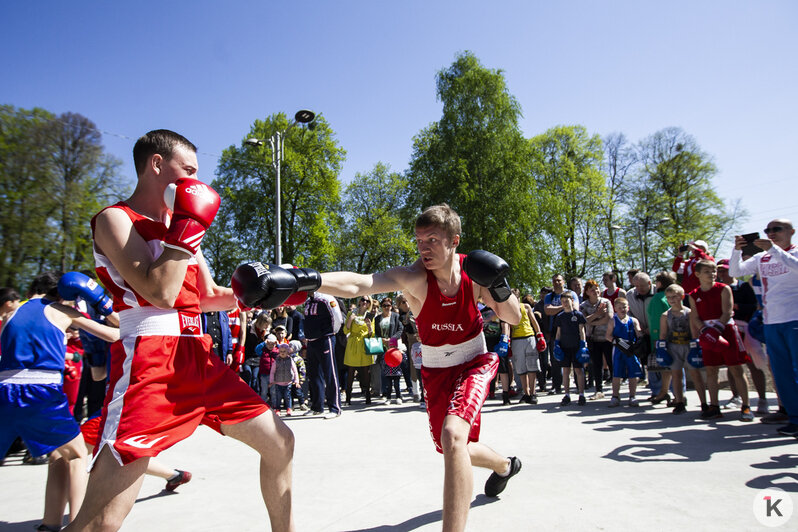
{"x": 323, "y": 375}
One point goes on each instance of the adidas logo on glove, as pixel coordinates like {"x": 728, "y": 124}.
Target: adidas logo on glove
{"x": 201, "y": 191}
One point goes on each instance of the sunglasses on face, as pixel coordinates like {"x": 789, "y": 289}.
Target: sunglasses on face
{"x": 774, "y": 229}
{"x": 386, "y": 306}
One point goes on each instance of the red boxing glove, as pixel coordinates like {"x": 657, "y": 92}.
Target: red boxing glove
{"x": 238, "y": 354}
{"x": 540, "y": 345}
{"x": 711, "y": 340}
{"x": 194, "y": 205}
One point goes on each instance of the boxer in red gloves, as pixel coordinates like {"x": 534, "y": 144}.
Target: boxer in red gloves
{"x": 713, "y": 325}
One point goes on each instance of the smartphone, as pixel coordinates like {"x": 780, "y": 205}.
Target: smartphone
{"x": 683, "y": 248}
{"x": 370, "y": 315}
{"x": 749, "y": 250}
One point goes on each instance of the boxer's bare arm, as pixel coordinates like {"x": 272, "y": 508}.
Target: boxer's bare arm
{"x": 509, "y": 311}
{"x": 212, "y": 296}
{"x": 65, "y": 317}
{"x": 411, "y": 280}
{"x": 158, "y": 281}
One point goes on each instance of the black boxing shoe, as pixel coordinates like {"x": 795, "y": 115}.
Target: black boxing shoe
{"x": 496, "y": 483}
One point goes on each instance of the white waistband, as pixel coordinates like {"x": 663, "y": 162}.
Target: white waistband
{"x": 30, "y": 376}
{"x": 152, "y": 321}
{"x": 448, "y": 355}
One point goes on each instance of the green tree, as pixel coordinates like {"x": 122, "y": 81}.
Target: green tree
{"x": 374, "y": 236}
{"x": 475, "y": 159}
{"x": 673, "y": 200}
{"x": 620, "y": 162}
{"x": 566, "y": 162}
{"x": 310, "y": 198}
{"x": 54, "y": 176}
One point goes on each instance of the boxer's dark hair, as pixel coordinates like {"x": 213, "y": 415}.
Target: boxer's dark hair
{"x": 8, "y": 294}
{"x": 45, "y": 283}
{"x": 160, "y": 141}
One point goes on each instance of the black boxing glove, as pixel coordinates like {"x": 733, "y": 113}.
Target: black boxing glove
{"x": 308, "y": 281}
{"x": 488, "y": 270}
{"x": 263, "y": 285}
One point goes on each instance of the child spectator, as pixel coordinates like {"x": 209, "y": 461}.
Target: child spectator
{"x": 298, "y": 354}
{"x": 674, "y": 330}
{"x": 267, "y": 351}
{"x": 712, "y": 323}
{"x": 625, "y": 364}
{"x": 570, "y": 338}
{"x": 415, "y": 355}
{"x": 283, "y": 375}
{"x": 392, "y": 375}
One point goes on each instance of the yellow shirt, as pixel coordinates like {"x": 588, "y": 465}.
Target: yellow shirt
{"x": 355, "y": 355}
{"x": 524, "y": 327}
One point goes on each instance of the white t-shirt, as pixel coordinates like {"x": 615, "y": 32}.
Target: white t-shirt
{"x": 778, "y": 269}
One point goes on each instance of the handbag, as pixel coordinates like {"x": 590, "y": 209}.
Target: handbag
{"x": 373, "y": 346}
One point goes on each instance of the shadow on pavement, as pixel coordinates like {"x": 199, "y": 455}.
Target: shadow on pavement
{"x": 784, "y": 480}
{"x": 422, "y": 520}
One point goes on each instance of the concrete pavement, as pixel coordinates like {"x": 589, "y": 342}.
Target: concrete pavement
{"x": 375, "y": 469}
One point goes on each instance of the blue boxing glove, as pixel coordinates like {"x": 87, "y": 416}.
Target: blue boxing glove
{"x": 663, "y": 357}
{"x": 559, "y": 356}
{"x": 694, "y": 357}
{"x": 503, "y": 346}
{"x": 75, "y": 284}
{"x": 583, "y": 355}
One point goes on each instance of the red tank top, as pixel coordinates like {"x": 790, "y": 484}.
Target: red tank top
{"x": 124, "y": 296}
{"x": 612, "y": 297}
{"x": 709, "y": 304}
{"x": 449, "y": 320}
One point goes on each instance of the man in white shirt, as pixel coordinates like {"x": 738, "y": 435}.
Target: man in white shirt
{"x": 777, "y": 266}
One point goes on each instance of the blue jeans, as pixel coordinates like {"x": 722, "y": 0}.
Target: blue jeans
{"x": 249, "y": 374}
{"x": 264, "y": 387}
{"x": 782, "y": 346}
{"x": 281, "y": 393}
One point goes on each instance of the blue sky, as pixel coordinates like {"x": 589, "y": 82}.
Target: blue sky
{"x": 724, "y": 71}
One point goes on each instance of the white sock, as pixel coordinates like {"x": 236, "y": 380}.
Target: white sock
{"x": 509, "y": 468}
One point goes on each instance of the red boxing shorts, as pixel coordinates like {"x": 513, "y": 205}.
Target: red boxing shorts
{"x": 458, "y": 391}
{"x": 162, "y": 387}
{"x": 733, "y": 355}
{"x": 91, "y": 431}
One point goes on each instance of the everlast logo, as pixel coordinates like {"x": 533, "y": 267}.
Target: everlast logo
{"x": 259, "y": 268}
{"x": 451, "y": 327}
{"x": 189, "y": 324}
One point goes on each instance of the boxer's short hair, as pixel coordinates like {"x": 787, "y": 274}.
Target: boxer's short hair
{"x": 160, "y": 141}
{"x": 441, "y": 216}
{"x": 705, "y": 264}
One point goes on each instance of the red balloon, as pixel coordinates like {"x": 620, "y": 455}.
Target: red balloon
{"x": 393, "y": 357}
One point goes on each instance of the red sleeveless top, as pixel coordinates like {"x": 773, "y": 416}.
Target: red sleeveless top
{"x": 709, "y": 304}
{"x": 123, "y": 294}
{"x": 449, "y": 320}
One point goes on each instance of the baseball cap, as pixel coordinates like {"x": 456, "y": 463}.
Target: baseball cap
{"x": 271, "y": 338}
{"x": 723, "y": 263}
{"x": 701, "y": 244}
{"x": 280, "y": 327}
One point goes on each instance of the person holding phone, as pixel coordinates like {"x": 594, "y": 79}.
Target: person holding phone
{"x": 777, "y": 265}
{"x": 685, "y": 266}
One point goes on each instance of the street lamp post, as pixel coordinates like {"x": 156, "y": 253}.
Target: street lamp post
{"x": 302, "y": 116}
{"x": 641, "y": 228}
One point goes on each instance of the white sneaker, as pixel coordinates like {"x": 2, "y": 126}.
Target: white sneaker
{"x": 398, "y": 400}
{"x": 633, "y": 401}
{"x": 762, "y": 407}
{"x": 615, "y": 401}
{"x": 597, "y": 395}
{"x": 734, "y": 402}
{"x": 331, "y": 415}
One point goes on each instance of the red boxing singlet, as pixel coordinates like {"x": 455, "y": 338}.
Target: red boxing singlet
{"x": 709, "y": 304}
{"x": 449, "y": 320}
{"x": 123, "y": 294}
{"x": 612, "y": 297}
